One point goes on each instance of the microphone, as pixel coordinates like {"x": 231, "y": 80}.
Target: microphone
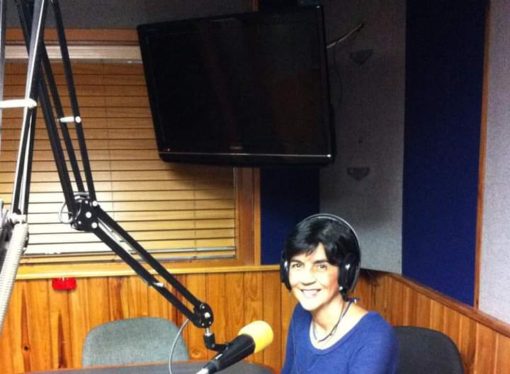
{"x": 252, "y": 338}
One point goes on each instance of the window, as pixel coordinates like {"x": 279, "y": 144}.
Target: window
{"x": 176, "y": 211}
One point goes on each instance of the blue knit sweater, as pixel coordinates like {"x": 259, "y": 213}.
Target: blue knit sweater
{"x": 369, "y": 348}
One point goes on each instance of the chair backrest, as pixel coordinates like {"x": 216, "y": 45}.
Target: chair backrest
{"x": 133, "y": 340}
{"x": 426, "y": 351}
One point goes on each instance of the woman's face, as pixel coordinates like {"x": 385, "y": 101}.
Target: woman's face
{"x": 313, "y": 280}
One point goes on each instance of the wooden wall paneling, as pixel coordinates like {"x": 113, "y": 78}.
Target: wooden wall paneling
{"x": 467, "y": 342}
{"x": 422, "y": 311}
{"x": 166, "y": 308}
{"x": 253, "y": 304}
{"x": 79, "y": 315}
{"x": 37, "y": 351}
{"x": 11, "y": 345}
{"x": 98, "y": 298}
{"x": 215, "y": 297}
{"x": 410, "y": 307}
{"x": 253, "y": 294}
{"x": 158, "y": 306}
{"x": 476, "y": 335}
{"x": 502, "y": 363}
{"x": 45, "y": 329}
{"x": 174, "y": 314}
{"x": 363, "y": 292}
{"x": 381, "y": 302}
{"x": 396, "y": 309}
{"x": 234, "y": 307}
{"x": 287, "y": 304}
{"x": 114, "y": 285}
{"x": 22, "y": 329}
{"x": 436, "y": 315}
{"x": 485, "y": 350}
{"x": 197, "y": 285}
{"x": 272, "y": 314}
{"x": 452, "y": 325}
{"x": 7, "y": 349}
{"x": 60, "y": 326}
{"x": 125, "y": 297}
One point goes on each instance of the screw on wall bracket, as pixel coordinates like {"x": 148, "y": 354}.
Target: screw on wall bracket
{"x": 358, "y": 173}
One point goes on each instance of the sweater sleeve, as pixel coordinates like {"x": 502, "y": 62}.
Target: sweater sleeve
{"x": 378, "y": 355}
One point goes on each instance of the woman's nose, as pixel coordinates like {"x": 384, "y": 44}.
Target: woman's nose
{"x": 308, "y": 276}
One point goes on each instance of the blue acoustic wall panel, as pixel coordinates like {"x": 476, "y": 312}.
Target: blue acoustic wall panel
{"x": 287, "y": 195}
{"x": 444, "y": 74}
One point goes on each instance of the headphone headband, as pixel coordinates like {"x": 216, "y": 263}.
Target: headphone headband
{"x": 334, "y": 218}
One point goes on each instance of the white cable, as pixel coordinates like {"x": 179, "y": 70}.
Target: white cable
{"x": 345, "y": 36}
{"x": 77, "y": 196}
{"x": 61, "y": 214}
{"x": 174, "y": 344}
{"x": 13, "y": 250}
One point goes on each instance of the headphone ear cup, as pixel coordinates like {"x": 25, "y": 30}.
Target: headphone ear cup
{"x": 348, "y": 276}
{"x": 284, "y": 272}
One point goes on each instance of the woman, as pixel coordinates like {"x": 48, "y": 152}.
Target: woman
{"x": 328, "y": 332}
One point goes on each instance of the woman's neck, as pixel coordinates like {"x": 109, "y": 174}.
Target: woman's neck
{"x": 327, "y": 316}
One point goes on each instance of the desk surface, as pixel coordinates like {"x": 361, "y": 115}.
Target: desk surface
{"x": 177, "y": 368}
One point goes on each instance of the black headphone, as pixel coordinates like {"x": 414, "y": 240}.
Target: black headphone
{"x": 349, "y": 265}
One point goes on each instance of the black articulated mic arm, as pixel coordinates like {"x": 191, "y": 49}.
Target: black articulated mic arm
{"x": 83, "y": 210}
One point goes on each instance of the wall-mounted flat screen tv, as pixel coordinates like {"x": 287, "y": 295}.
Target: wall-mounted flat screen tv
{"x": 247, "y": 89}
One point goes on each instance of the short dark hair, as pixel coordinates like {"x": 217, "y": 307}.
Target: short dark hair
{"x": 336, "y": 235}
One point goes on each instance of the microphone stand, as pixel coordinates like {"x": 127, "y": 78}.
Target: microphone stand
{"x": 83, "y": 210}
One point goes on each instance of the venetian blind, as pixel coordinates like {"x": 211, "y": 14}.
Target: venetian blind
{"x": 174, "y": 210}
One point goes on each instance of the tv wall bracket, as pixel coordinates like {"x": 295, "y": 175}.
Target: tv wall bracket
{"x": 84, "y": 213}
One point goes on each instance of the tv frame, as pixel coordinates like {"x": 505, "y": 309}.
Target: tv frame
{"x": 249, "y": 159}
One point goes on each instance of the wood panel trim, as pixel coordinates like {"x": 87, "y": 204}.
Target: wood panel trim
{"x": 45, "y": 329}
{"x": 467, "y": 311}
{"x": 482, "y": 160}
{"x": 27, "y": 272}
{"x": 118, "y": 53}
{"x": 248, "y": 215}
{"x": 14, "y": 36}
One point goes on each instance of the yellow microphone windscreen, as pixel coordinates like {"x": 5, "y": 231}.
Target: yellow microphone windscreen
{"x": 261, "y": 332}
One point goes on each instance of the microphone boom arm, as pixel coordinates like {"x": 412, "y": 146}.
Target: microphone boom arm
{"x": 83, "y": 210}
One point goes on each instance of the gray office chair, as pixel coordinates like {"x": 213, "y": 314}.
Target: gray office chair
{"x": 426, "y": 351}
{"x": 134, "y": 340}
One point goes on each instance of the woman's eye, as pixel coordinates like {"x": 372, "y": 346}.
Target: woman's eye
{"x": 322, "y": 267}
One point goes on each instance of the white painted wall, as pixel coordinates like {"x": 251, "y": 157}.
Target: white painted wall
{"x": 494, "y": 295}
{"x": 369, "y": 104}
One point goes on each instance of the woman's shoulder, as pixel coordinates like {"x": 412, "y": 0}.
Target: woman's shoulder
{"x": 300, "y": 314}
{"x": 373, "y": 345}
{"x": 300, "y": 321}
{"x": 373, "y": 324}
{"x": 374, "y": 318}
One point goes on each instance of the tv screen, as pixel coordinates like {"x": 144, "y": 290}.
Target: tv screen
{"x": 245, "y": 90}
